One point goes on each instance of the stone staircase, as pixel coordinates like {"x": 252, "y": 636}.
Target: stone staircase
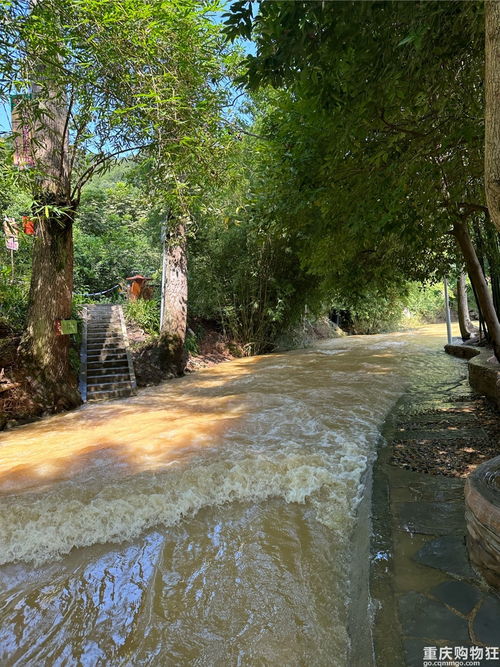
{"x": 106, "y": 368}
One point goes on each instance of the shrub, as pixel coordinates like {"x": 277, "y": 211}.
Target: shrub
{"x": 146, "y": 314}
{"x": 426, "y": 302}
{"x": 13, "y": 301}
{"x": 191, "y": 343}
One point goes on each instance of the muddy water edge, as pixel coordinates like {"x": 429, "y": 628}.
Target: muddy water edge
{"x": 219, "y": 519}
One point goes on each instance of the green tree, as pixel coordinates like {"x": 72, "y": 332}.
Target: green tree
{"x": 108, "y": 79}
{"x": 378, "y": 128}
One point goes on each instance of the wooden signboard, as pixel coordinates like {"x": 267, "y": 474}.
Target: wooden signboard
{"x": 66, "y": 327}
{"x": 69, "y": 327}
{"x": 11, "y": 243}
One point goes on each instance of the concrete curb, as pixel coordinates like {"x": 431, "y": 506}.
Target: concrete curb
{"x": 482, "y": 512}
{"x": 484, "y": 374}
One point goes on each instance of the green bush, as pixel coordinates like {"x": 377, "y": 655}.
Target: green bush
{"x": 191, "y": 343}
{"x": 249, "y": 279}
{"x": 146, "y": 314}
{"x": 115, "y": 233}
{"x": 407, "y": 305}
{"x": 426, "y": 302}
{"x": 13, "y": 301}
{"x": 378, "y": 312}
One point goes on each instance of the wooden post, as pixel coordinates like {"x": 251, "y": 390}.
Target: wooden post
{"x": 447, "y": 311}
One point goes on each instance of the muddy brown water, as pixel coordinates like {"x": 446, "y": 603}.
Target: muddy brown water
{"x": 208, "y": 521}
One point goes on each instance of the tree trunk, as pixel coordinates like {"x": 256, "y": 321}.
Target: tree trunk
{"x": 492, "y": 252}
{"x": 173, "y": 355}
{"x": 481, "y": 286}
{"x": 466, "y": 326}
{"x": 45, "y": 352}
{"x": 492, "y": 110}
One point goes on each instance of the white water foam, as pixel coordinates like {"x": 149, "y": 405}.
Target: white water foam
{"x": 40, "y": 527}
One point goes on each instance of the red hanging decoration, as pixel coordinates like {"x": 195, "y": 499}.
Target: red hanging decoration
{"x": 28, "y": 225}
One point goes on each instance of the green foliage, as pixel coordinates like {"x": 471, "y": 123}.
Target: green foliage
{"x": 360, "y": 145}
{"x": 244, "y": 271}
{"x": 146, "y": 314}
{"x": 13, "y": 301}
{"x": 138, "y": 77}
{"x": 115, "y": 233}
{"x": 191, "y": 343}
{"x": 374, "y": 138}
{"x": 74, "y": 360}
{"x": 106, "y": 260}
{"x": 376, "y": 311}
{"x": 426, "y": 303}
{"x": 408, "y": 305}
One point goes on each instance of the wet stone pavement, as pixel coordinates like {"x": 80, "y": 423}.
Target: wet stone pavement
{"x": 427, "y": 599}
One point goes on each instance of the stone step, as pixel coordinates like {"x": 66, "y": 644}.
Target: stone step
{"x": 92, "y": 331}
{"x": 108, "y": 386}
{"x": 112, "y": 335}
{"x": 103, "y": 331}
{"x": 105, "y": 307}
{"x": 105, "y": 345}
{"x": 108, "y": 377}
{"x": 107, "y": 356}
{"x": 95, "y": 324}
{"x": 103, "y": 317}
{"x": 96, "y": 333}
{"x": 108, "y": 370}
{"x": 104, "y": 337}
{"x": 103, "y": 394}
{"x": 107, "y": 362}
{"x": 105, "y": 352}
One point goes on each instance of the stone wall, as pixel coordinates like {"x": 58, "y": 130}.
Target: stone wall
{"x": 484, "y": 370}
{"x": 482, "y": 488}
{"x": 482, "y": 513}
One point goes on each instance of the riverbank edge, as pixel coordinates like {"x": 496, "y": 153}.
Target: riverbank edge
{"x": 393, "y": 641}
{"x": 484, "y": 374}
{"x": 361, "y": 649}
{"x": 386, "y": 639}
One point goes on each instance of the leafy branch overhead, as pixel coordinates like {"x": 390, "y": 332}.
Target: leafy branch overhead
{"x": 133, "y": 79}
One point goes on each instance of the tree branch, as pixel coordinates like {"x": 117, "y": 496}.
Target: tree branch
{"x": 236, "y": 128}
{"x": 399, "y": 128}
{"x": 88, "y": 173}
{"x": 471, "y": 207}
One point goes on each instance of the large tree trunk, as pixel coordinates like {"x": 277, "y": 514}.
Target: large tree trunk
{"x": 492, "y": 110}
{"x": 476, "y": 275}
{"x": 46, "y": 353}
{"x": 173, "y": 355}
{"x": 466, "y": 326}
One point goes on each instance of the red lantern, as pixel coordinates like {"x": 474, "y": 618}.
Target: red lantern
{"x": 28, "y": 225}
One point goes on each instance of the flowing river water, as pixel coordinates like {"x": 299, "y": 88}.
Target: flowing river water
{"x": 207, "y": 521}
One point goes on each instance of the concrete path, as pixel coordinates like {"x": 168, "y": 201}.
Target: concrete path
{"x": 428, "y": 602}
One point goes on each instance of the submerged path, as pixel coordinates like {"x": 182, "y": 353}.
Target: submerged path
{"x": 421, "y": 574}
{"x": 206, "y": 521}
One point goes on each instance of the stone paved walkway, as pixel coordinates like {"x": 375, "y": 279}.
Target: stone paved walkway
{"x": 424, "y": 591}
